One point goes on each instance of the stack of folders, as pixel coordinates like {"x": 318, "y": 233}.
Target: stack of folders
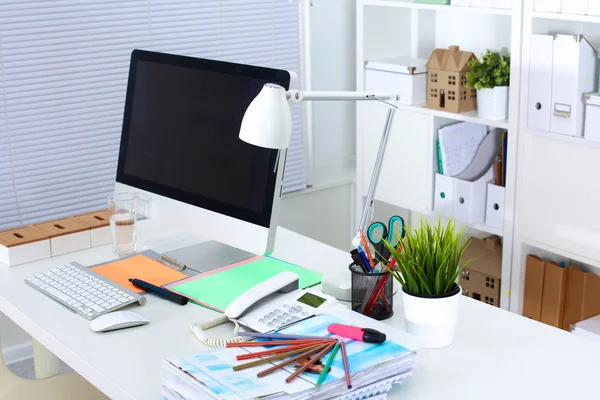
{"x": 374, "y": 368}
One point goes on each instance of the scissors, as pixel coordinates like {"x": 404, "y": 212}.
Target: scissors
{"x": 394, "y": 232}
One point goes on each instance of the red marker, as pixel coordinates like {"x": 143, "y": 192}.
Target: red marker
{"x": 352, "y": 332}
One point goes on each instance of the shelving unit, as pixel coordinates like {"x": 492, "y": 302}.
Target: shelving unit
{"x": 557, "y": 182}
{"x": 395, "y": 28}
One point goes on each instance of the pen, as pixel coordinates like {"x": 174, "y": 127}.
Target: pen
{"x": 365, "y": 261}
{"x": 359, "y": 260}
{"x": 160, "y": 292}
{"x": 367, "y": 249}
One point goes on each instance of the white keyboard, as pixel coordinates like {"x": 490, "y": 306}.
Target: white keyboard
{"x": 83, "y": 291}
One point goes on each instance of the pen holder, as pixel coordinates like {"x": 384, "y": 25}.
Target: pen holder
{"x": 372, "y": 293}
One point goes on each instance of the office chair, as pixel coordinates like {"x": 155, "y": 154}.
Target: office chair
{"x": 62, "y": 387}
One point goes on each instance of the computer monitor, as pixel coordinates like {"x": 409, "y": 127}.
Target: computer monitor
{"x": 180, "y": 146}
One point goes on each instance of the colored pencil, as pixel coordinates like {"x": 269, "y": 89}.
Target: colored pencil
{"x": 277, "y": 351}
{"x": 310, "y": 362}
{"x": 346, "y": 366}
{"x": 274, "y": 368}
{"x": 271, "y": 343}
{"x": 328, "y": 364}
{"x": 276, "y": 357}
{"x": 282, "y": 337}
{"x": 367, "y": 249}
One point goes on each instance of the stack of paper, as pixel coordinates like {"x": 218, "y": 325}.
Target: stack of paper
{"x": 374, "y": 368}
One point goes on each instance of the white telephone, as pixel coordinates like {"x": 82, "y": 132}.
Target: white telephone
{"x": 272, "y": 304}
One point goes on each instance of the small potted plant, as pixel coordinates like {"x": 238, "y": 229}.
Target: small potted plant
{"x": 491, "y": 77}
{"x": 428, "y": 264}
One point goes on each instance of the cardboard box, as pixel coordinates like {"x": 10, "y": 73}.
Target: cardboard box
{"x": 98, "y": 222}
{"x": 446, "y": 81}
{"x": 481, "y": 279}
{"x": 534, "y": 286}
{"x": 23, "y": 245}
{"x": 553, "y": 294}
{"x": 66, "y": 235}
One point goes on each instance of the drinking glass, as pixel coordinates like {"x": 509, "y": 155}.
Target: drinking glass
{"x": 122, "y": 217}
{"x": 142, "y": 205}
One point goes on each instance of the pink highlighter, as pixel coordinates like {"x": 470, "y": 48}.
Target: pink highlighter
{"x": 353, "y": 332}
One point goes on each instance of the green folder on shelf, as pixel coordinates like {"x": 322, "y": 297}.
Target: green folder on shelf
{"x": 217, "y": 289}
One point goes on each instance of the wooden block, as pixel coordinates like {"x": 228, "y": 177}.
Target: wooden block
{"x": 553, "y": 294}
{"x": 573, "y": 297}
{"x": 534, "y": 285}
{"x": 96, "y": 219}
{"x": 61, "y": 227}
{"x": 20, "y": 236}
{"x": 591, "y": 296}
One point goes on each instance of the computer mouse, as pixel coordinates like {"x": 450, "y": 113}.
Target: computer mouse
{"x": 118, "y": 320}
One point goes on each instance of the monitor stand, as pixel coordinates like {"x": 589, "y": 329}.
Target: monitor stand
{"x": 207, "y": 256}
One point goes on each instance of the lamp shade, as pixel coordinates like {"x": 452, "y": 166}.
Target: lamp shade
{"x": 268, "y": 119}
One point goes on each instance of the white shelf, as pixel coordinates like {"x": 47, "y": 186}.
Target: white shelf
{"x": 579, "y": 141}
{"x": 568, "y": 17}
{"x": 571, "y": 256}
{"x": 481, "y": 227}
{"x": 470, "y": 116}
{"x": 487, "y": 229}
{"x": 438, "y": 7}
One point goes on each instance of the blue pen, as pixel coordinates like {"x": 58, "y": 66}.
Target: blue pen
{"x": 365, "y": 259}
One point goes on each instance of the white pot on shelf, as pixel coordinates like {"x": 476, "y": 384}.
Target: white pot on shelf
{"x": 432, "y": 319}
{"x": 493, "y": 103}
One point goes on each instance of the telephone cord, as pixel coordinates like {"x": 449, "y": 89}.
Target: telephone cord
{"x": 199, "y": 328}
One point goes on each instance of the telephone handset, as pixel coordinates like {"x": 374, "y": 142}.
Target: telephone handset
{"x": 272, "y": 304}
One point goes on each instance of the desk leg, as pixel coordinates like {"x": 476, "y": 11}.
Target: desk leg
{"x": 46, "y": 363}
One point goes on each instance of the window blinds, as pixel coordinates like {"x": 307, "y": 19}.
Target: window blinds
{"x": 63, "y": 75}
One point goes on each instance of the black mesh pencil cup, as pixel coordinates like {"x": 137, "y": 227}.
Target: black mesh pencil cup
{"x": 372, "y": 293}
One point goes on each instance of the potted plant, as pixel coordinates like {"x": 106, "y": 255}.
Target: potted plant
{"x": 427, "y": 266}
{"x": 491, "y": 77}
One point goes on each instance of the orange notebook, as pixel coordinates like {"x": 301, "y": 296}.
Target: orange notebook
{"x": 139, "y": 267}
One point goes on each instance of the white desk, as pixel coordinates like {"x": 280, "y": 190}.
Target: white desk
{"x": 496, "y": 355}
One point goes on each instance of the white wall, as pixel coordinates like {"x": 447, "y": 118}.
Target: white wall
{"x": 332, "y": 31}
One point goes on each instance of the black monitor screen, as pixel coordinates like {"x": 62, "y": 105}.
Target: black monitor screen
{"x": 180, "y": 134}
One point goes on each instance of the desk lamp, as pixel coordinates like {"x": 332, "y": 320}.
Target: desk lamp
{"x": 268, "y": 123}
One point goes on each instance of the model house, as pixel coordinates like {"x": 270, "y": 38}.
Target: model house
{"x": 446, "y": 88}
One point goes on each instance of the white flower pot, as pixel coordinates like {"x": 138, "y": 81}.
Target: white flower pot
{"x": 493, "y": 103}
{"x": 432, "y": 319}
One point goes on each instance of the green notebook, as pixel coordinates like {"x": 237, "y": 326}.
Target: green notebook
{"x": 219, "y": 289}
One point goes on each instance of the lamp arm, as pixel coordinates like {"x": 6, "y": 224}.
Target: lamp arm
{"x": 367, "y": 214}
{"x": 294, "y": 96}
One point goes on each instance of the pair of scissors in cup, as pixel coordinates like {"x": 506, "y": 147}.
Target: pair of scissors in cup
{"x": 394, "y": 232}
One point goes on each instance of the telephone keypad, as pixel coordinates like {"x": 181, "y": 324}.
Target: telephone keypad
{"x": 278, "y": 318}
